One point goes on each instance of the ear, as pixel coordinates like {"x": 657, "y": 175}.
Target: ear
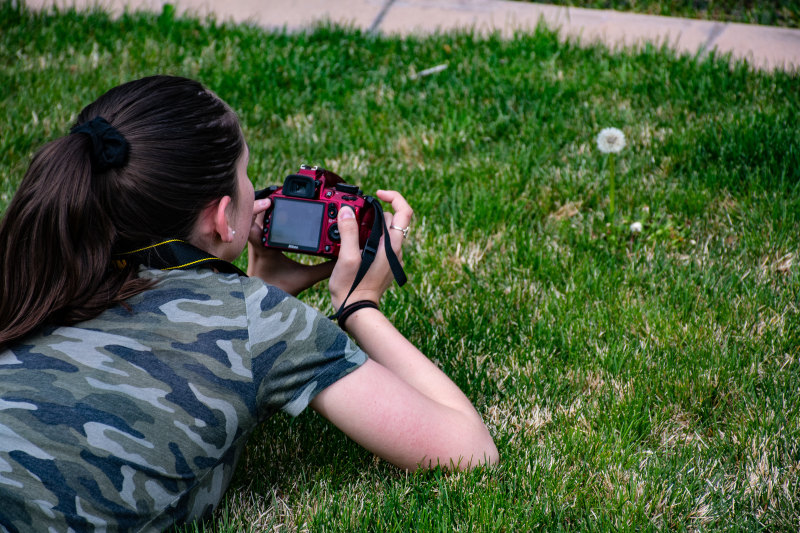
{"x": 212, "y": 225}
{"x": 221, "y": 227}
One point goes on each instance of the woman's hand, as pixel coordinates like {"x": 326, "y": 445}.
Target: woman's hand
{"x": 379, "y": 277}
{"x": 273, "y": 266}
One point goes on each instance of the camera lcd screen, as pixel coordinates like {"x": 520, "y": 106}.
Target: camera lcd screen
{"x": 296, "y": 224}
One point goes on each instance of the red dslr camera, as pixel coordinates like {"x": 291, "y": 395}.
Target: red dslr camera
{"x": 302, "y": 217}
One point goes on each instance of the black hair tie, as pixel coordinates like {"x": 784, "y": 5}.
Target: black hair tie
{"x": 109, "y": 147}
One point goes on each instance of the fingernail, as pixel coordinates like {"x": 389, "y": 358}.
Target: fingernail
{"x": 346, "y": 213}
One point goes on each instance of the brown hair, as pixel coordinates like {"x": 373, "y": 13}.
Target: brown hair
{"x": 66, "y": 221}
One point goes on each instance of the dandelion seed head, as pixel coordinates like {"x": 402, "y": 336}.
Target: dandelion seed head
{"x": 636, "y": 227}
{"x": 610, "y": 140}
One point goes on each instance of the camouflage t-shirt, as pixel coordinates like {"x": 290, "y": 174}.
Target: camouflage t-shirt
{"x": 134, "y": 420}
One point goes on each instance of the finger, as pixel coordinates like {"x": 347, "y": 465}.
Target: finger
{"x": 401, "y": 218}
{"x": 348, "y": 231}
{"x": 402, "y": 210}
{"x": 395, "y": 235}
{"x": 259, "y": 207}
{"x": 257, "y": 227}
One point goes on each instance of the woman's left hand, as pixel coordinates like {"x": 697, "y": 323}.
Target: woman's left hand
{"x": 273, "y": 266}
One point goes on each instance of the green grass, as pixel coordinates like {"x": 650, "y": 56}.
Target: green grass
{"x": 769, "y": 12}
{"x": 634, "y": 382}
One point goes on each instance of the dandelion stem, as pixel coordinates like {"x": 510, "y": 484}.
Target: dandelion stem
{"x": 611, "y": 168}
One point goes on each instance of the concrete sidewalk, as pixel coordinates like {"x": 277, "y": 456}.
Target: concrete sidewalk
{"x": 764, "y": 47}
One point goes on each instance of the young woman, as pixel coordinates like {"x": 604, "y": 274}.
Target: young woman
{"x": 127, "y": 392}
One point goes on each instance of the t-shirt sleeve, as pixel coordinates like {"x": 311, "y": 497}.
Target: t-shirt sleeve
{"x": 296, "y": 352}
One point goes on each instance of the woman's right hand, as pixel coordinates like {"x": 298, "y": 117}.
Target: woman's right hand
{"x": 379, "y": 277}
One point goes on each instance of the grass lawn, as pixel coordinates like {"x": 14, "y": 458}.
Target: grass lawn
{"x": 631, "y": 380}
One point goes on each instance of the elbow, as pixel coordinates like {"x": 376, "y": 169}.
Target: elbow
{"x": 484, "y": 451}
{"x": 488, "y": 456}
{"x": 470, "y": 449}
{"x": 491, "y": 456}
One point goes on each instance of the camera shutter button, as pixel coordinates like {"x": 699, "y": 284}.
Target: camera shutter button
{"x": 333, "y": 232}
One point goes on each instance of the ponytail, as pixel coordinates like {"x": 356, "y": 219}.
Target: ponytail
{"x": 56, "y": 243}
{"x": 81, "y": 202}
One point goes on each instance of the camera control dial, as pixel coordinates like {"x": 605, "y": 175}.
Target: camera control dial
{"x": 333, "y": 232}
{"x": 347, "y": 188}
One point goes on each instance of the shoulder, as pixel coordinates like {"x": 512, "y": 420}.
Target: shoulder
{"x": 274, "y": 315}
{"x": 205, "y": 284}
{"x": 205, "y": 298}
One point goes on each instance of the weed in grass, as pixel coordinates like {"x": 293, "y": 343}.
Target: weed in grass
{"x": 611, "y": 141}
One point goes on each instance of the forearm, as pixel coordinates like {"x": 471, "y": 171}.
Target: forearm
{"x": 402, "y": 407}
{"x": 378, "y": 337}
{"x": 277, "y": 269}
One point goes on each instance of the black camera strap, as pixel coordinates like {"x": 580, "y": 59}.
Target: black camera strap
{"x": 379, "y": 228}
{"x": 175, "y": 254}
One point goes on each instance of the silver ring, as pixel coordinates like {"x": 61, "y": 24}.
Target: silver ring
{"x": 404, "y": 230}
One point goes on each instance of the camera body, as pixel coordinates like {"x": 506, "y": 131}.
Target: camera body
{"x": 302, "y": 217}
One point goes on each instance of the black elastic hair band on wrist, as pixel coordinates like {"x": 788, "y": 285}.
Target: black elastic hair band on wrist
{"x": 345, "y": 312}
